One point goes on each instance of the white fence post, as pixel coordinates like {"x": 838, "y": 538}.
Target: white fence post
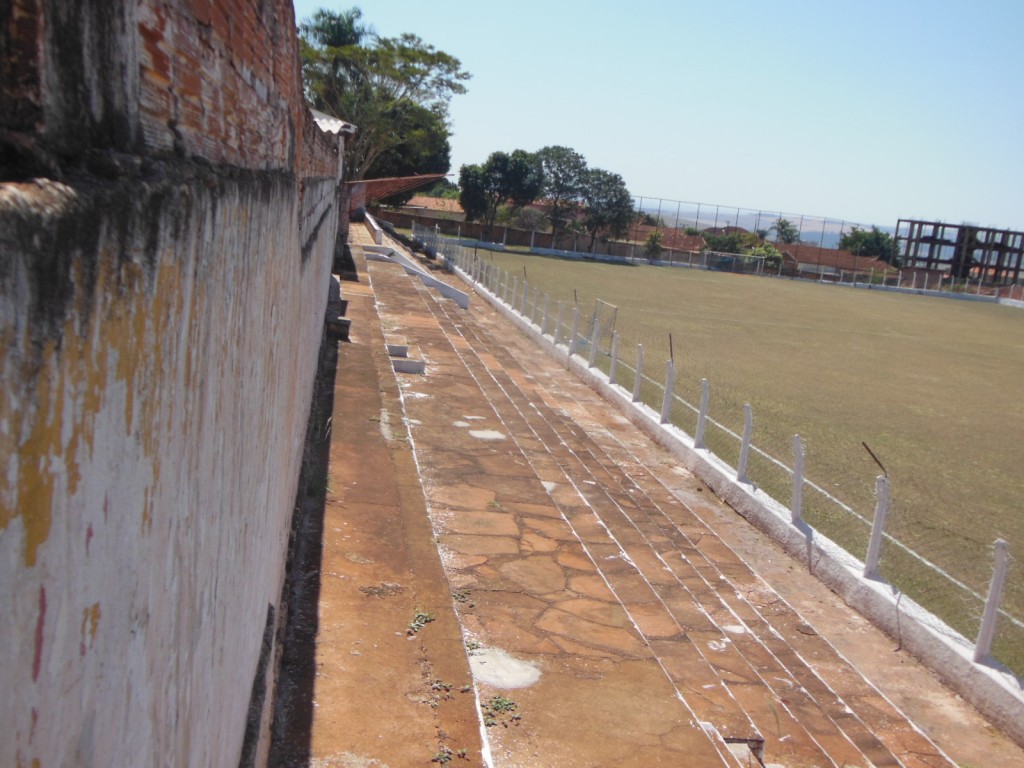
{"x": 670, "y": 382}
{"x": 987, "y": 633}
{"x": 877, "y": 527}
{"x": 526, "y": 295}
{"x": 558, "y": 323}
{"x": 702, "y": 414}
{"x": 515, "y": 292}
{"x": 575, "y": 330}
{"x": 505, "y": 291}
{"x": 594, "y": 337}
{"x": 533, "y": 309}
{"x": 748, "y": 428}
{"x": 797, "y": 504}
{"x": 639, "y": 372}
{"x": 615, "y": 359}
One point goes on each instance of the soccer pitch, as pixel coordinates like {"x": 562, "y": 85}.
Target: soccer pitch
{"x": 932, "y": 385}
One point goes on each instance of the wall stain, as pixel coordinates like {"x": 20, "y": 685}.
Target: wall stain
{"x": 37, "y": 660}
{"x": 90, "y": 623}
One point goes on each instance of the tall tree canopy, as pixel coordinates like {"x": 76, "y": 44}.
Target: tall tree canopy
{"x": 425, "y": 150}
{"x": 875, "y": 243}
{"x": 514, "y": 179}
{"x": 785, "y": 231}
{"x": 607, "y": 205}
{"x": 564, "y": 174}
{"x": 389, "y": 87}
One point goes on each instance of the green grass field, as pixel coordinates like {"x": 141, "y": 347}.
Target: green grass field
{"x": 933, "y": 386}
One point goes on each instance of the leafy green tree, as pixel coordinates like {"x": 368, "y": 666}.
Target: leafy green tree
{"x": 772, "y": 255}
{"x": 564, "y": 173}
{"x": 513, "y": 179}
{"x": 442, "y": 188}
{"x": 387, "y": 86}
{"x": 785, "y": 231}
{"x": 607, "y": 205}
{"x": 425, "y": 150}
{"x": 652, "y": 246}
{"x": 873, "y": 242}
{"x": 727, "y": 242}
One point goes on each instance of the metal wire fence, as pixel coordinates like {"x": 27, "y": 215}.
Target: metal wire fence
{"x": 647, "y": 368}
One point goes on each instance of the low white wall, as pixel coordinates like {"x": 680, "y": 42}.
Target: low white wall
{"x": 996, "y": 693}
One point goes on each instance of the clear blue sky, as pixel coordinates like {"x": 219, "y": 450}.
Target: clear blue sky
{"x": 866, "y": 111}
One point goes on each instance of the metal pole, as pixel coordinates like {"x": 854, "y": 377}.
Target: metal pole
{"x": 877, "y": 527}
{"x": 615, "y": 358}
{"x": 594, "y": 336}
{"x": 748, "y": 428}
{"x": 666, "y": 402}
{"x": 639, "y": 372}
{"x": 702, "y": 415}
{"x": 796, "y": 506}
{"x": 575, "y": 329}
{"x": 987, "y": 633}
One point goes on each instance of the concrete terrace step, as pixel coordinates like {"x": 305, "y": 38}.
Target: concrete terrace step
{"x": 685, "y": 592}
{"x": 637, "y": 569}
{"x": 531, "y": 590}
{"x": 777, "y": 661}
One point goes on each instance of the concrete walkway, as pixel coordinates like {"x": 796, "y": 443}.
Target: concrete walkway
{"x": 514, "y": 575}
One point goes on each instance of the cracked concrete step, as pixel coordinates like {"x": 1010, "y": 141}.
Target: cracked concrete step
{"x": 580, "y": 627}
{"x": 376, "y": 698}
{"x": 826, "y": 724}
{"x": 783, "y": 632}
{"x": 904, "y": 740}
{"x": 634, "y": 585}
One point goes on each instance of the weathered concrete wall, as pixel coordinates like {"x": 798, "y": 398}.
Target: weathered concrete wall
{"x": 161, "y": 308}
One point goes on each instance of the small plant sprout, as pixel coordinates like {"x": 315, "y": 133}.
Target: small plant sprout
{"x": 500, "y": 710}
{"x": 419, "y": 621}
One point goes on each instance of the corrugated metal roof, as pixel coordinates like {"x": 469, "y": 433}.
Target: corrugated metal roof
{"x": 329, "y": 124}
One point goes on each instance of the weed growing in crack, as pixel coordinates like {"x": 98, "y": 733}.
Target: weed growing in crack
{"x": 419, "y": 621}
{"x": 500, "y": 710}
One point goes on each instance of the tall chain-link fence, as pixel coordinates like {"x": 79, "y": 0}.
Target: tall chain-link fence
{"x": 645, "y": 367}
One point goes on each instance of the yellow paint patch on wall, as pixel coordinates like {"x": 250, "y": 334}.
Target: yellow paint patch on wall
{"x": 71, "y": 391}
{"x": 90, "y": 623}
{"x": 36, "y": 480}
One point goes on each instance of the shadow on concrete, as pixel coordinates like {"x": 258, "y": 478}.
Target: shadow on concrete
{"x": 291, "y": 729}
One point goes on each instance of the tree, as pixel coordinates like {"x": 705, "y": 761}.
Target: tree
{"x": 652, "y": 246}
{"x": 785, "y": 231}
{"x": 728, "y": 242}
{"x": 772, "y": 256}
{"x": 607, "y": 205}
{"x": 387, "y": 87}
{"x": 425, "y": 150}
{"x": 876, "y": 243}
{"x": 564, "y": 172}
{"x": 442, "y": 188}
{"x": 514, "y": 180}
